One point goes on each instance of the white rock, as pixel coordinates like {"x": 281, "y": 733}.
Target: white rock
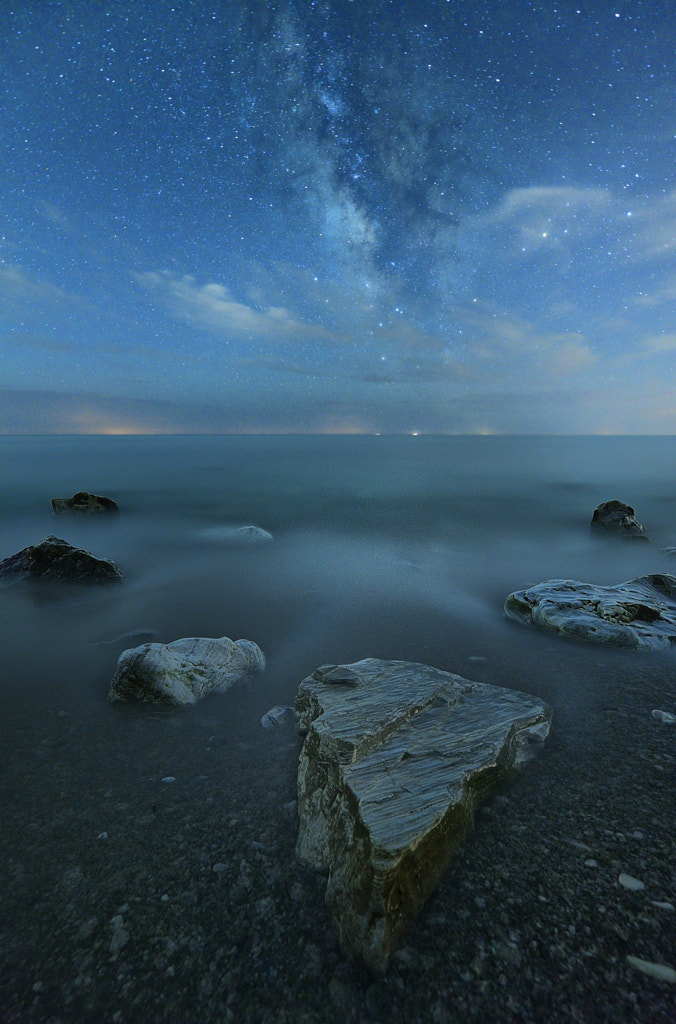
{"x": 661, "y": 971}
{"x": 629, "y": 882}
{"x": 183, "y": 671}
{"x": 664, "y": 716}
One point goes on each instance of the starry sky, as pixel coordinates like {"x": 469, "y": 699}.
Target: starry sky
{"x": 390, "y": 216}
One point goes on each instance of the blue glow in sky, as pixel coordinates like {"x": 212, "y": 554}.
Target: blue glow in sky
{"x": 341, "y": 216}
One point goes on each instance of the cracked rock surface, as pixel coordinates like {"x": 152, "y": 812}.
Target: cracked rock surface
{"x": 184, "y": 671}
{"x": 396, "y": 757}
{"x": 639, "y": 614}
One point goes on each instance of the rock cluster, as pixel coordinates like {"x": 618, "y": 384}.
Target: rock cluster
{"x": 84, "y": 504}
{"x": 184, "y": 671}
{"x": 639, "y": 614}
{"x": 396, "y": 757}
{"x": 618, "y": 518}
{"x": 56, "y": 559}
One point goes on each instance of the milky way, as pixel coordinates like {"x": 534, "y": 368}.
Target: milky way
{"x": 337, "y": 216}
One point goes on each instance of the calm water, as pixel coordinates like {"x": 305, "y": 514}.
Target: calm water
{"x": 395, "y": 547}
{"x": 389, "y": 547}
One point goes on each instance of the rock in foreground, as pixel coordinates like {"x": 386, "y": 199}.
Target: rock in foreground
{"x": 639, "y": 614}
{"x": 56, "y": 559}
{"x": 84, "y": 504}
{"x": 184, "y": 671}
{"x": 396, "y": 757}
{"x": 619, "y": 518}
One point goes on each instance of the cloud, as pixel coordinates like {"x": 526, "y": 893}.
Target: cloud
{"x": 660, "y": 343}
{"x": 17, "y": 285}
{"x": 212, "y": 307}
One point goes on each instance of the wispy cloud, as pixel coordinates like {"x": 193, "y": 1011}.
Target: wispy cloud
{"x": 212, "y": 306}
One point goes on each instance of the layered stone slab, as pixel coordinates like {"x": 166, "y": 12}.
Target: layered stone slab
{"x": 639, "y": 614}
{"x": 396, "y": 757}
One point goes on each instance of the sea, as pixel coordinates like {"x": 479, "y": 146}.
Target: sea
{"x": 394, "y": 547}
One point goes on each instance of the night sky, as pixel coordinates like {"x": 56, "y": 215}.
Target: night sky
{"x": 368, "y": 216}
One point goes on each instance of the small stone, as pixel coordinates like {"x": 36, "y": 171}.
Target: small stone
{"x": 629, "y": 882}
{"x": 661, "y": 971}
{"x": 84, "y": 504}
{"x": 664, "y": 716}
{"x": 169, "y": 778}
{"x": 219, "y": 868}
{"x": 662, "y": 904}
{"x": 102, "y": 835}
{"x": 591, "y": 863}
{"x": 265, "y": 907}
{"x": 297, "y": 892}
{"x": 278, "y": 715}
{"x": 119, "y": 940}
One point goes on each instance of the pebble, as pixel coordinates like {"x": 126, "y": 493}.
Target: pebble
{"x": 120, "y": 934}
{"x": 219, "y": 868}
{"x": 277, "y": 715}
{"x": 102, "y": 835}
{"x": 591, "y": 863}
{"x": 629, "y": 882}
{"x": 169, "y": 778}
{"x": 664, "y": 716}
{"x": 662, "y": 904}
{"x": 661, "y": 971}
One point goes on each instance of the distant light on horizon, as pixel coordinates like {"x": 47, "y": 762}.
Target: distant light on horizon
{"x": 295, "y": 240}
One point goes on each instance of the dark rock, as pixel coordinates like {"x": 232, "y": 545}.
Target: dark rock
{"x": 393, "y": 764}
{"x": 55, "y": 559}
{"x": 619, "y": 518}
{"x": 183, "y": 671}
{"x": 639, "y": 614}
{"x": 84, "y": 504}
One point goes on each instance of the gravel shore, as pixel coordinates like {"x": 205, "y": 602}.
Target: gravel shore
{"x": 148, "y": 869}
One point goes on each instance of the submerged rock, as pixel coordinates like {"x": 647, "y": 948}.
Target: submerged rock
{"x": 183, "y": 671}
{"x": 135, "y": 636}
{"x": 617, "y": 517}
{"x": 280, "y": 714}
{"x": 396, "y": 757}
{"x": 56, "y": 559}
{"x": 639, "y": 614}
{"x": 84, "y": 504}
{"x": 236, "y": 534}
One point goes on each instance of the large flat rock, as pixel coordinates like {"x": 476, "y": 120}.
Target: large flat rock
{"x": 639, "y": 614}
{"x": 396, "y": 757}
{"x": 184, "y": 671}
